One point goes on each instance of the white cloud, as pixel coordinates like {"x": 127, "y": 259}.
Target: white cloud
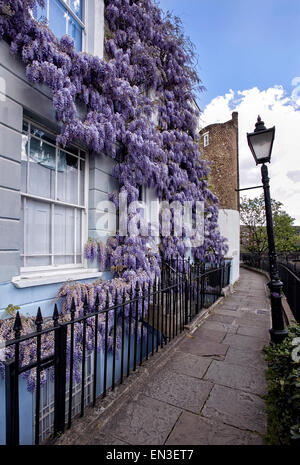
{"x": 276, "y": 109}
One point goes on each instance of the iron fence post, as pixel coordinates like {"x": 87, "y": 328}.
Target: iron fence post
{"x": 202, "y": 287}
{"x": 198, "y": 288}
{"x": 186, "y": 289}
{"x": 12, "y": 405}
{"x": 60, "y": 367}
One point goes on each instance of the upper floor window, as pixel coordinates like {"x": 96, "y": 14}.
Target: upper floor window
{"x": 54, "y": 201}
{"x": 63, "y": 17}
{"x": 206, "y": 139}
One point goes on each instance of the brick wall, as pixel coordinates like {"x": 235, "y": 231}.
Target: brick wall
{"x": 222, "y": 153}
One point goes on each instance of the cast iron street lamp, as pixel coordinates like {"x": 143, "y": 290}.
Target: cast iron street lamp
{"x": 261, "y": 143}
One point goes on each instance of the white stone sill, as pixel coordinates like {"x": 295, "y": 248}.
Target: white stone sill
{"x": 54, "y": 277}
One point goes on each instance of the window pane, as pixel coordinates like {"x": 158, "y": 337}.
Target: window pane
{"x": 22, "y": 229}
{"x": 24, "y": 163}
{"x": 67, "y": 178}
{"x": 64, "y": 225}
{"x": 65, "y": 260}
{"x": 38, "y": 232}
{"x": 57, "y": 20}
{"x": 39, "y": 13}
{"x": 25, "y": 126}
{"x": 76, "y": 6}
{"x": 38, "y": 132}
{"x": 42, "y": 158}
{"x": 75, "y": 30}
{"x": 78, "y": 232}
{"x": 82, "y": 185}
{"x": 50, "y": 229}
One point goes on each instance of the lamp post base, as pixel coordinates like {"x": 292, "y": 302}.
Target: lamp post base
{"x": 278, "y": 331}
{"x": 278, "y": 335}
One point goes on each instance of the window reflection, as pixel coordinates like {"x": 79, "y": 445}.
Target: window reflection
{"x": 42, "y": 158}
{"x": 52, "y": 179}
{"x": 67, "y": 178}
{"x": 60, "y": 20}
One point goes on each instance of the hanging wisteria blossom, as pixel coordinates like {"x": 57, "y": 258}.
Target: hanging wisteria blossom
{"x": 140, "y": 110}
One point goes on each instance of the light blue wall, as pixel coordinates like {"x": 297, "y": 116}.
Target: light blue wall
{"x": 30, "y": 298}
{"x": 27, "y": 400}
{"x": 19, "y": 96}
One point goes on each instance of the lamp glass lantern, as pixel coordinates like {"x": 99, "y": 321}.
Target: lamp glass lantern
{"x": 261, "y": 142}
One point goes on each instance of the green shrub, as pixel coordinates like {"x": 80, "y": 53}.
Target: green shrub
{"x": 283, "y": 396}
{"x": 12, "y": 309}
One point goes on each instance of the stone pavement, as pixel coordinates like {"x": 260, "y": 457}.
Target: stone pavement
{"x": 209, "y": 390}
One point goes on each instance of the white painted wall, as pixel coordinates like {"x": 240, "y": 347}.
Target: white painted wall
{"x": 94, "y": 21}
{"x": 229, "y": 225}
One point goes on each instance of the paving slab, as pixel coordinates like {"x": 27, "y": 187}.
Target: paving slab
{"x": 244, "y": 342}
{"x": 229, "y": 306}
{"x": 256, "y": 300}
{"x": 204, "y": 348}
{"x": 246, "y": 358}
{"x": 100, "y": 439}
{"x": 143, "y": 421}
{"x": 188, "y": 364}
{"x": 221, "y": 327}
{"x": 209, "y": 334}
{"x": 235, "y": 376}
{"x": 182, "y": 391}
{"x": 260, "y": 333}
{"x": 236, "y": 408}
{"x": 226, "y": 311}
{"x": 250, "y": 320}
{"x": 195, "y": 430}
{"x": 227, "y": 319}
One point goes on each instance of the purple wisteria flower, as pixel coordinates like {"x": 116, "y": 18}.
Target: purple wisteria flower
{"x": 140, "y": 110}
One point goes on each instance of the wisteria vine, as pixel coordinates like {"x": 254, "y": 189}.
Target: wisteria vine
{"x": 140, "y": 110}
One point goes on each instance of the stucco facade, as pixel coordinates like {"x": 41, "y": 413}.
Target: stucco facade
{"x": 19, "y": 101}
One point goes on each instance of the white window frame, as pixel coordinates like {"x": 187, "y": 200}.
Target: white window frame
{"x": 47, "y": 269}
{"x": 75, "y": 17}
{"x": 206, "y": 139}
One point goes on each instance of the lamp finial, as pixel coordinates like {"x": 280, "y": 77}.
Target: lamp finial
{"x": 260, "y": 125}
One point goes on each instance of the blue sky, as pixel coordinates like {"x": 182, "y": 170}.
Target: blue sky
{"x": 241, "y": 44}
{"x": 249, "y": 61}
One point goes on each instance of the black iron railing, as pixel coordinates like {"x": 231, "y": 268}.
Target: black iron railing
{"x": 291, "y": 282}
{"x": 115, "y": 337}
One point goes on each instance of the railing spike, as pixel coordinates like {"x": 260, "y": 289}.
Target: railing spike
{"x": 18, "y": 325}
{"x": 116, "y": 297}
{"x": 97, "y": 302}
{"x": 107, "y": 299}
{"x": 39, "y": 320}
{"x": 73, "y": 306}
{"x": 55, "y": 315}
{"x": 85, "y": 305}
